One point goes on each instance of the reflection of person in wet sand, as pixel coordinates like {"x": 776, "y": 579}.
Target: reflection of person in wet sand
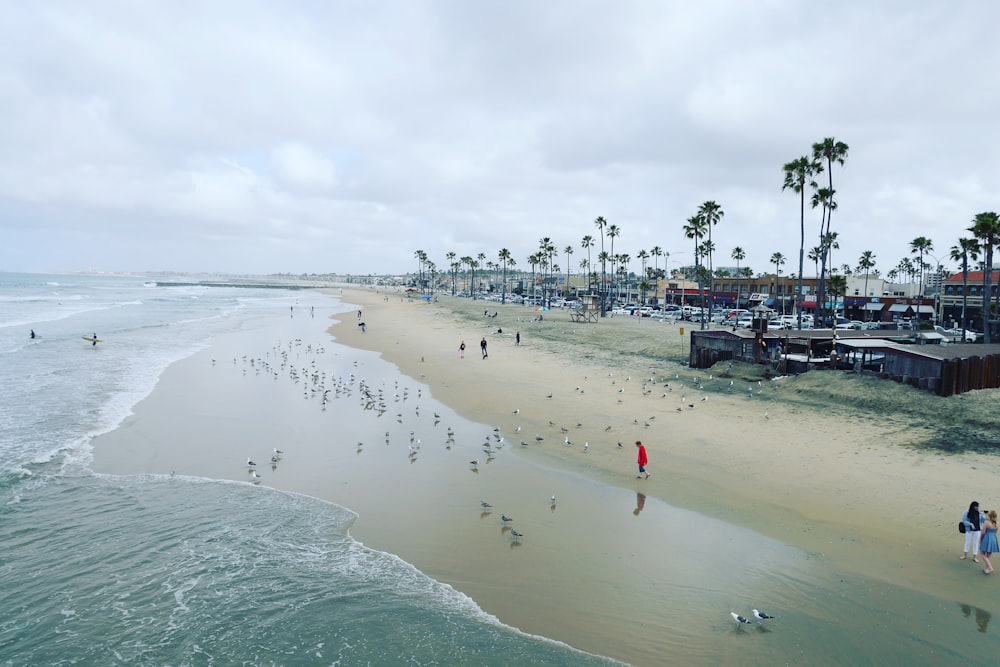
{"x": 982, "y": 616}
{"x": 640, "y": 503}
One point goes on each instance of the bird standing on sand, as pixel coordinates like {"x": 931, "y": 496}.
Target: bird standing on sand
{"x": 761, "y": 616}
{"x": 516, "y": 535}
{"x": 505, "y": 518}
{"x": 250, "y": 463}
{"x": 485, "y": 505}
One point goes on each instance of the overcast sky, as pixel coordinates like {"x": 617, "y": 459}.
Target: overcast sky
{"x": 335, "y": 136}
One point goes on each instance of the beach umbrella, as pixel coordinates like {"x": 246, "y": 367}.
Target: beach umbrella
{"x": 426, "y": 296}
{"x": 541, "y": 309}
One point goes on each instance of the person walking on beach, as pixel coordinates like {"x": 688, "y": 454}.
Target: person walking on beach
{"x": 461, "y": 350}
{"x": 973, "y": 520}
{"x": 482, "y": 346}
{"x": 517, "y": 338}
{"x": 988, "y": 541}
{"x": 642, "y": 460}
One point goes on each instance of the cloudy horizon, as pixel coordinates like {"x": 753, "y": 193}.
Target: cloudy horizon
{"x": 307, "y": 137}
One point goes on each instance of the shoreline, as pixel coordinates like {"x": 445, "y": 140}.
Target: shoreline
{"x": 204, "y": 419}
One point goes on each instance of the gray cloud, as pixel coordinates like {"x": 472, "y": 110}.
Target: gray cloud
{"x": 252, "y": 137}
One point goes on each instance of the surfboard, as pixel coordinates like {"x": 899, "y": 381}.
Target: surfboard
{"x": 92, "y": 340}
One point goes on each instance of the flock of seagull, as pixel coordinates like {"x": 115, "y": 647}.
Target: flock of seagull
{"x": 318, "y": 384}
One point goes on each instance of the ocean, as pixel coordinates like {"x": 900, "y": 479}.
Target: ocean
{"x": 161, "y": 570}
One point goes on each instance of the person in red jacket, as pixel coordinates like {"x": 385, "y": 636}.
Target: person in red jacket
{"x": 642, "y": 459}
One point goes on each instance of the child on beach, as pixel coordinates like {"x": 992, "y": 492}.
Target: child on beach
{"x": 642, "y": 460}
{"x": 988, "y": 542}
{"x": 461, "y": 350}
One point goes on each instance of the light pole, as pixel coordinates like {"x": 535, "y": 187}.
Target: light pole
{"x": 937, "y": 288}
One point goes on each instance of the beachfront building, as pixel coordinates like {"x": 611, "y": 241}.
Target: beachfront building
{"x": 972, "y": 287}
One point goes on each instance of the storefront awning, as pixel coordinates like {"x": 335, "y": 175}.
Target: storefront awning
{"x": 874, "y": 306}
{"x": 899, "y": 308}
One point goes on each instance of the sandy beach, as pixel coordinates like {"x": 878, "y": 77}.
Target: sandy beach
{"x": 754, "y": 493}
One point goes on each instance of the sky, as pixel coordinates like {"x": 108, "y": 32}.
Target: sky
{"x": 342, "y": 137}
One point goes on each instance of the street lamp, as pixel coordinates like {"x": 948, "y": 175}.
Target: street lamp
{"x": 937, "y": 290}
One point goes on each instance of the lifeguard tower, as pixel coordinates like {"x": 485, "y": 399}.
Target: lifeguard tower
{"x": 591, "y": 309}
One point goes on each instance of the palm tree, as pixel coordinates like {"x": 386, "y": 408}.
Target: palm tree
{"x": 601, "y": 223}
{"x": 712, "y": 214}
{"x": 986, "y": 228}
{"x": 778, "y": 260}
{"x": 451, "y": 262}
{"x": 623, "y": 260}
{"x": 568, "y": 252}
{"x": 838, "y": 286}
{"x": 656, "y": 252}
{"x": 603, "y": 258}
{"x": 813, "y": 256}
{"x": 613, "y": 232}
{"x": 421, "y": 257}
{"x": 920, "y": 246}
{"x": 644, "y": 286}
{"x": 695, "y": 229}
{"x": 505, "y": 259}
{"x": 587, "y": 243}
{"x": 797, "y": 174}
{"x": 547, "y": 250}
{"x": 432, "y": 269}
{"x": 866, "y": 263}
{"x": 643, "y": 256}
{"x": 830, "y": 151}
{"x": 965, "y": 250}
{"x": 534, "y": 261}
{"x": 739, "y": 255}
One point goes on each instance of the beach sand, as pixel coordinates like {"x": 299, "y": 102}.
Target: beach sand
{"x": 809, "y": 502}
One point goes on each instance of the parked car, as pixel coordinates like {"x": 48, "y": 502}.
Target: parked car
{"x": 956, "y": 334}
{"x": 776, "y": 324}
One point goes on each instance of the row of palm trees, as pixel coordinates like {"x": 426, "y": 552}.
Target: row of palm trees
{"x": 801, "y": 176}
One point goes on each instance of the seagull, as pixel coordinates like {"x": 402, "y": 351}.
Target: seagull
{"x": 474, "y": 462}
{"x": 278, "y": 452}
{"x": 553, "y": 499}
{"x": 505, "y": 518}
{"x": 761, "y": 615}
{"x": 739, "y": 619}
{"x": 765, "y": 415}
{"x": 567, "y": 442}
{"x": 255, "y": 475}
{"x": 516, "y": 534}
{"x": 250, "y": 463}
{"x": 586, "y": 446}
{"x": 704, "y": 398}
{"x": 619, "y": 444}
{"x": 517, "y": 410}
{"x": 485, "y": 505}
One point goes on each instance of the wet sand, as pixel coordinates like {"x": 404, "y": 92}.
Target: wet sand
{"x": 739, "y": 507}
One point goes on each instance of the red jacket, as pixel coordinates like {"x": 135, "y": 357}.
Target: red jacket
{"x": 642, "y": 455}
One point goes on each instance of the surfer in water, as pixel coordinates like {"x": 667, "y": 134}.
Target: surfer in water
{"x": 32, "y": 334}
{"x": 94, "y": 343}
